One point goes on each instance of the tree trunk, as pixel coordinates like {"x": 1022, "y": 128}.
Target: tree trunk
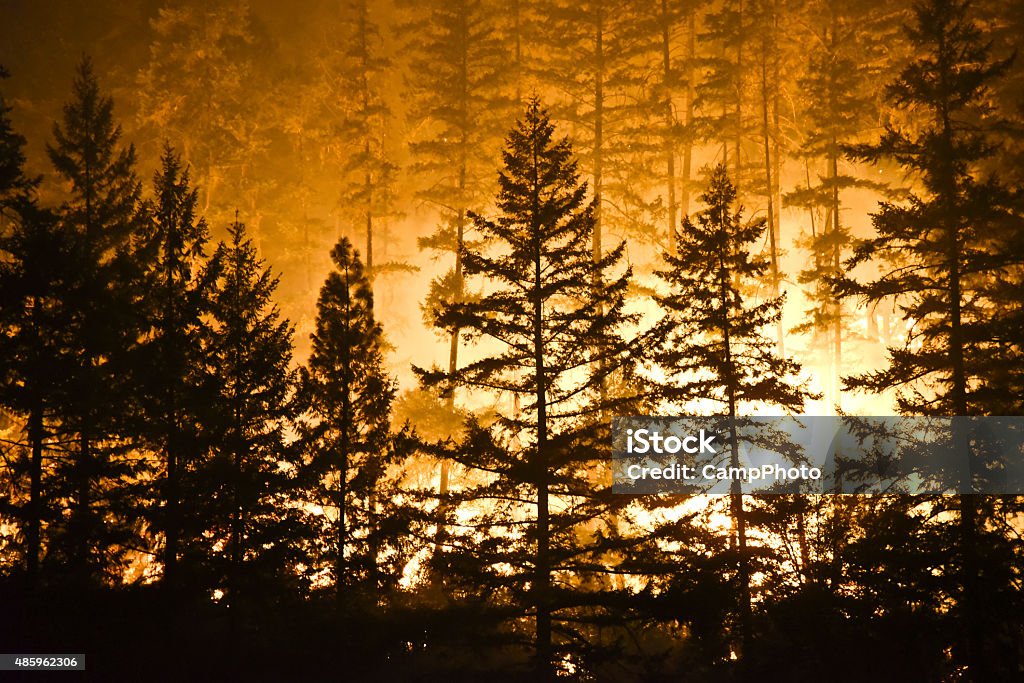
{"x": 738, "y": 141}
{"x": 345, "y": 447}
{"x": 768, "y": 175}
{"x": 598, "y": 129}
{"x": 691, "y": 53}
{"x": 83, "y": 504}
{"x": 736, "y": 497}
{"x": 367, "y": 176}
{"x": 543, "y": 567}
{"x": 668, "y": 83}
{"x": 837, "y": 319}
{"x": 740, "y": 520}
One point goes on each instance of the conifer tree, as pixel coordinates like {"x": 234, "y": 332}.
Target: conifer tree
{"x": 171, "y": 362}
{"x": 953, "y": 232}
{"x": 851, "y": 49}
{"x": 368, "y": 172}
{"x": 460, "y": 101}
{"x": 35, "y": 255}
{"x": 15, "y": 185}
{"x": 947, "y": 227}
{"x": 723, "y": 100}
{"x": 253, "y": 531}
{"x": 541, "y": 307}
{"x": 584, "y": 53}
{"x": 715, "y": 345}
{"x": 673, "y": 99}
{"x": 198, "y": 90}
{"x": 105, "y": 219}
{"x": 350, "y": 439}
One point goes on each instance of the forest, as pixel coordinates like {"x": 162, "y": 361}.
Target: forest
{"x": 315, "y": 319}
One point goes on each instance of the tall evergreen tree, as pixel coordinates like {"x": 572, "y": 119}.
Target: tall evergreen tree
{"x": 35, "y": 255}
{"x": 15, "y": 185}
{"x": 253, "y": 531}
{"x": 851, "y": 48}
{"x": 584, "y": 58}
{"x": 673, "y": 101}
{"x": 104, "y": 214}
{"x": 171, "y": 362}
{"x": 460, "y": 102}
{"x": 953, "y": 233}
{"x": 368, "y": 171}
{"x": 550, "y": 322}
{"x": 948, "y": 229}
{"x": 715, "y": 345}
{"x": 351, "y": 444}
{"x": 198, "y": 89}
{"x": 723, "y": 94}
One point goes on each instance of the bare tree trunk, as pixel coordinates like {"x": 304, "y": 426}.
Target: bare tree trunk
{"x": 460, "y": 226}
{"x": 836, "y": 263}
{"x": 739, "y": 102}
{"x": 770, "y": 165}
{"x": 598, "y": 129}
{"x": 368, "y": 176}
{"x": 668, "y": 85}
{"x": 691, "y": 53}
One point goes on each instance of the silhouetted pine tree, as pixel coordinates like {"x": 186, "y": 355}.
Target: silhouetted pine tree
{"x": 583, "y": 56}
{"x": 170, "y": 366}
{"x": 954, "y": 233}
{"x": 549, "y": 323}
{"x": 105, "y": 321}
{"x": 724, "y": 93}
{"x": 15, "y": 186}
{"x": 359, "y": 74}
{"x": 253, "y": 528}
{"x": 351, "y": 445}
{"x": 715, "y": 345}
{"x": 199, "y": 89}
{"x": 672, "y": 100}
{"x": 851, "y": 48}
{"x": 460, "y": 102}
{"x": 35, "y": 257}
{"x": 949, "y": 229}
